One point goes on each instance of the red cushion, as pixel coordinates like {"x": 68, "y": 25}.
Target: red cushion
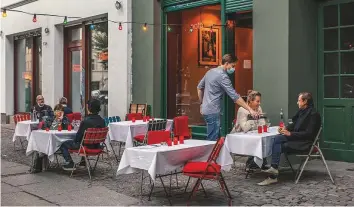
{"x": 87, "y": 150}
{"x": 139, "y": 138}
{"x": 200, "y": 167}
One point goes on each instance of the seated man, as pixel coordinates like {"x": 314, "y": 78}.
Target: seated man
{"x": 41, "y": 109}
{"x": 298, "y": 136}
{"x": 92, "y": 120}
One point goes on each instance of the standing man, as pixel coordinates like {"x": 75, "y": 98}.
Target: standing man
{"x": 211, "y": 90}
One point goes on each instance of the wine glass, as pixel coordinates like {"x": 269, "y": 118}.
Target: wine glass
{"x": 268, "y": 122}
{"x": 290, "y": 121}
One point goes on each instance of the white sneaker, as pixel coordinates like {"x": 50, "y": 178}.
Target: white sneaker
{"x": 271, "y": 170}
{"x": 268, "y": 181}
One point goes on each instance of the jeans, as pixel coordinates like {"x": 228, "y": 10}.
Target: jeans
{"x": 279, "y": 140}
{"x": 213, "y": 126}
{"x": 70, "y": 144}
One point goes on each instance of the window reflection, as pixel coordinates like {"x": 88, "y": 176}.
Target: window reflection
{"x": 99, "y": 64}
{"x": 186, "y": 64}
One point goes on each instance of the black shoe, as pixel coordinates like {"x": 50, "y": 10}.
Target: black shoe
{"x": 70, "y": 166}
{"x": 82, "y": 163}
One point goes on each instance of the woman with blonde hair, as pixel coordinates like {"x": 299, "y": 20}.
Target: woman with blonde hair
{"x": 244, "y": 121}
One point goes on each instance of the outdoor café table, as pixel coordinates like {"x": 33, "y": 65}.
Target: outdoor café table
{"x": 161, "y": 160}
{"x": 48, "y": 142}
{"x": 124, "y": 131}
{"x": 252, "y": 143}
{"x": 23, "y": 129}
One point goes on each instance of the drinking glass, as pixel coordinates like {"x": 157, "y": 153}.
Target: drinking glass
{"x": 290, "y": 121}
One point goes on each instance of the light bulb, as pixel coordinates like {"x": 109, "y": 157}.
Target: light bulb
{"x": 65, "y": 20}
{"x": 4, "y": 13}
{"x": 145, "y": 27}
{"x": 34, "y": 18}
{"x": 120, "y": 26}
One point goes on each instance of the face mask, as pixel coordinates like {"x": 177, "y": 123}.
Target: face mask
{"x": 41, "y": 104}
{"x": 64, "y": 105}
{"x": 231, "y": 71}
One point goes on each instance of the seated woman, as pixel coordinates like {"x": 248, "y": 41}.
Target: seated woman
{"x": 59, "y": 118}
{"x": 245, "y": 122}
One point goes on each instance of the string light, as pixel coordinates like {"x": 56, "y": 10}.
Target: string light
{"x": 120, "y": 26}
{"x": 34, "y": 18}
{"x": 65, "y": 20}
{"x": 145, "y": 27}
{"x": 169, "y": 29}
{"x": 4, "y": 13}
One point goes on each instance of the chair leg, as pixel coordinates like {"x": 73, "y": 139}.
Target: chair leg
{"x": 98, "y": 157}
{"x": 141, "y": 184}
{"x": 205, "y": 194}
{"x": 325, "y": 163}
{"x": 287, "y": 159}
{"x": 176, "y": 178}
{"x": 151, "y": 190}
{"x": 114, "y": 152}
{"x": 88, "y": 167}
{"x": 167, "y": 195}
{"x": 302, "y": 169}
{"x": 185, "y": 190}
{"x": 21, "y": 143}
{"x": 226, "y": 188}
{"x": 195, "y": 189}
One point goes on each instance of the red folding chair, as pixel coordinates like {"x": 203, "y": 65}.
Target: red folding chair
{"x": 209, "y": 170}
{"x": 137, "y": 116}
{"x": 180, "y": 127}
{"x": 92, "y": 136}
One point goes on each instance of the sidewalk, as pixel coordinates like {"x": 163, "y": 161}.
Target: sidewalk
{"x": 18, "y": 188}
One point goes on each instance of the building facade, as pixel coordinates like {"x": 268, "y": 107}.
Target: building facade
{"x": 284, "y": 47}
{"x": 69, "y": 51}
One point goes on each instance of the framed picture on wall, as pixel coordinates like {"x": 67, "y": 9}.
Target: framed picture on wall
{"x": 208, "y": 46}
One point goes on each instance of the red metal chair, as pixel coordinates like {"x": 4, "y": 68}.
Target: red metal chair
{"x": 180, "y": 127}
{"x": 70, "y": 117}
{"x": 156, "y": 137}
{"x": 209, "y": 170}
{"x": 76, "y": 116}
{"x": 92, "y": 136}
{"x": 137, "y": 116}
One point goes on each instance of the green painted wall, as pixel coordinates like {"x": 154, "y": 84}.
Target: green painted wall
{"x": 271, "y": 55}
{"x": 302, "y": 50}
{"x": 285, "y": 53}
{"x": 146, "y": 54}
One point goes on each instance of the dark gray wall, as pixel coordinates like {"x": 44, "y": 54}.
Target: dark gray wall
{"x": 146, "y": 54}
{"x": 271, "y": 55}
{"x": 302, "y": 50}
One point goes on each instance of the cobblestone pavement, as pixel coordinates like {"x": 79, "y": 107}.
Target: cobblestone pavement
{"x": 314, "y": 187}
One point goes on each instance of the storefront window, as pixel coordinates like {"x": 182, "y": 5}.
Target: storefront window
{"x": 99, "y": 63}
{"x": 192, "y": 49}
{"x": 27, "y": 72}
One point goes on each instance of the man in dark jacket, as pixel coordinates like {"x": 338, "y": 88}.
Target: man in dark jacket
{"x": 41, "y": 109}
{"x": 92, "y": 120}
{"x": 298, "y": 136}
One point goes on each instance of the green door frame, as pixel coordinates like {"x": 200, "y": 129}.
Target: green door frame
{"x": 335, "y": 151}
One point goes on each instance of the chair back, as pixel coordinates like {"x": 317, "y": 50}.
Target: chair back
{"x": 180, "y": 127}
{"x": 70, "y": 117}
{"x": 95, "y": 135}
{"x": 21, "y": 117}
{"x": 77, "y": 116}
{"x": 216, "y": 150}
{"x": 112, "y": 119}
{"x": 138, "y": 108}
{"x": 137, "y": 116}
{"x": 156, "y": 137}
{"x": 315, "y": 144}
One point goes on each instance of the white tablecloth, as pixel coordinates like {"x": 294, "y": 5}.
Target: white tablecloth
{"x": 23, "y": 129}
{"x": 48, "y": 142}
{"x": 159, "y": 160}
{"x": 252, "y": 143}
{"x": 125, "y": 131}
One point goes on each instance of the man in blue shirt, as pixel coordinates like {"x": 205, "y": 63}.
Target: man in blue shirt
{"x": 211, "y": 90}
